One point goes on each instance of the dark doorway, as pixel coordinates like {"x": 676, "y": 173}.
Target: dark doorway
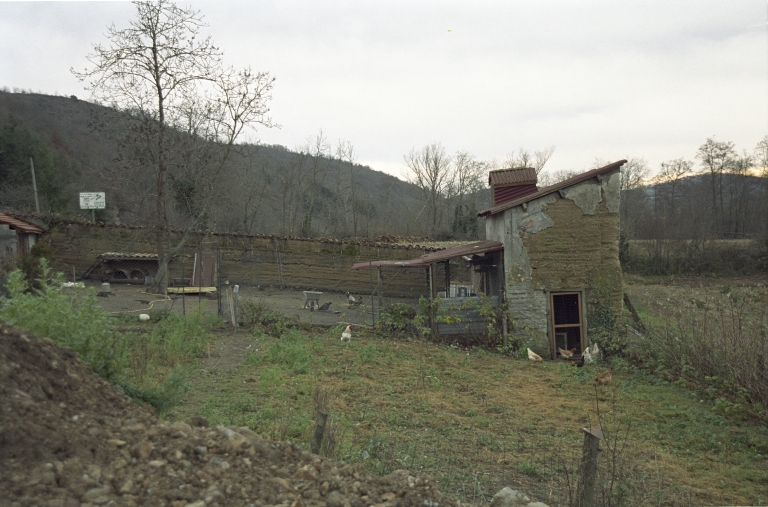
{"x": 567, "y": 321}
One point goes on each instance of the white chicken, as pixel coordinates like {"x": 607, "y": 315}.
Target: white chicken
{"x": 587, "y": 356}
{"x": 595, "y": 350}
{"x": 346, "y": 336}
{"x": 533, "y": 356}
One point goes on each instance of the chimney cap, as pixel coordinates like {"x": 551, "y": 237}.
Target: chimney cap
{"x": 512, "y": 177}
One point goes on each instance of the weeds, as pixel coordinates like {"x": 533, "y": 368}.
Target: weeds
{"x": 71, "y": 319}
{"x": 163, "y": 397}
{"x": 478, "y": 421}
{"x": 719, "y": 344}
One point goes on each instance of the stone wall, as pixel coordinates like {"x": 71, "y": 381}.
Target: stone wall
{"x": 562, "y": 242}
{"x": 321, "y": 264}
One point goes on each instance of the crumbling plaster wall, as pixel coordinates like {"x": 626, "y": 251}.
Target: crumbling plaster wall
{"x": 560, "y": 243}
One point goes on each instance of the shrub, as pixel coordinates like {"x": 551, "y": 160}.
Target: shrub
{"x": 264, "y": 320}
{"x": 397, "y": 317}
{"x": 71, "y": 319}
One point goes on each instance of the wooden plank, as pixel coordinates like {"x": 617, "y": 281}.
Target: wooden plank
{"x": 191, "y": 290}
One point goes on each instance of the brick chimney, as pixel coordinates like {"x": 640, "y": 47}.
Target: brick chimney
{"x": 510, "y": 184}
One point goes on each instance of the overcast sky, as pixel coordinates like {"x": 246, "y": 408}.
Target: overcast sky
{"x": 596, "y": 79}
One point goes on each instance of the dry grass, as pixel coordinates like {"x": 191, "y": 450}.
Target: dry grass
{"x": 477, "y": 421}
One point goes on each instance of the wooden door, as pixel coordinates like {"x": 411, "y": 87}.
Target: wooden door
{"x": 567, "y": 321}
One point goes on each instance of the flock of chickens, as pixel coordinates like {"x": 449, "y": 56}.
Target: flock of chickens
{"x": 589, "y": 356}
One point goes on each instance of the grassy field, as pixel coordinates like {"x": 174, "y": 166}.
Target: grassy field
{"x": 692, "y": 432}
{"x": 478, "y": 421}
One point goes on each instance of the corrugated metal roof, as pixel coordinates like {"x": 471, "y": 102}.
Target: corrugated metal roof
{"x": 480, "y": 247}
{"x": 477, "y": 248}
{"x": 120, "y": 256}
{"x": 515, "y": 176}
{"x": 19, "y": 225}
{"x": 553, "y": 188}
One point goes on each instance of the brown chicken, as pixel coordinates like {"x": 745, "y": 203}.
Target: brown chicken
{"x": 605, "y": 377}
{"x": 567, "y": 354}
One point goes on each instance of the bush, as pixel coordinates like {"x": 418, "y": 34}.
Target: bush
{"x": 264, "y": 320}
{"x": 397, "y": 317}
{"x": 71, "y": 319}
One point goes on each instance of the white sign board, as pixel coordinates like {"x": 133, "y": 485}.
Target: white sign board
{"x": 93, "y": 200}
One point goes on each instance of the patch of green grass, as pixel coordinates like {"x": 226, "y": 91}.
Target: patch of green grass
{"x": 369, "y": 353}
{"x": 528, "y": 469}
{"x": 474, "y": 429}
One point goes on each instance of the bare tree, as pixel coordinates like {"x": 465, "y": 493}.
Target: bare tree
{"x": 633, "y": 197}
{"x": 430, "y": 170}
{"x": 739, "y": 193}
{"x": 547, "y": 178}
{"x": 761, "y": 156}
{"x": 346, "y": 184}
{"x": 318, "y": 151}
{"x": 248, "y": 190}
{"x": 761, "y": 160}
{"x": 290, "y": 187}
{"x": 164, "y": 74}
{"x": 671, "y": 173}
{"x": 524, "y": 158}
{"x": 468, "y": 180}
{"x": 717, "y": 158}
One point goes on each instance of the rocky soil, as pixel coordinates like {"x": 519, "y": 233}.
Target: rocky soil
{"x": 70, "y": 439}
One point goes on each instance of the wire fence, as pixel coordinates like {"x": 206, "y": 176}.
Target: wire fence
{"x": 321, "y": 290}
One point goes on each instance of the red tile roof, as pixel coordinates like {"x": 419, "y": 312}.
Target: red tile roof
{"x": 553, "y": 188}
{"x": 20, "y": 225}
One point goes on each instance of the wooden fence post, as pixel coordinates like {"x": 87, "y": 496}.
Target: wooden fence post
{"x": 588, "y": 466}
{"x": 317, "y": 437}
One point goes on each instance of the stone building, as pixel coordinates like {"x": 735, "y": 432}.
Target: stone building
{"x": 561, "y": 271}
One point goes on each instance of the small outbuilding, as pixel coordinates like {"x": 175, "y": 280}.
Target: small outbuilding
{"x": 561, "y": 253}
{"x": 17, "y": 237}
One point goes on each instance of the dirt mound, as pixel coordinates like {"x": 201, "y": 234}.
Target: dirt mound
{"x": 69, "y": 439}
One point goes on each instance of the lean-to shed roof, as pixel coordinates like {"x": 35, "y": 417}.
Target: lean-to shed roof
{"x": 19, "y": 225}
{"x": 477, "y": 248}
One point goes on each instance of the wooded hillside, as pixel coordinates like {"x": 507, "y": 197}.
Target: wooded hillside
{"x": 317, "y": 190}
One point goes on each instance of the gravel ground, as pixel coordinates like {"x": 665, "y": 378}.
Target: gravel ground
{"x": 70, "y": 439}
